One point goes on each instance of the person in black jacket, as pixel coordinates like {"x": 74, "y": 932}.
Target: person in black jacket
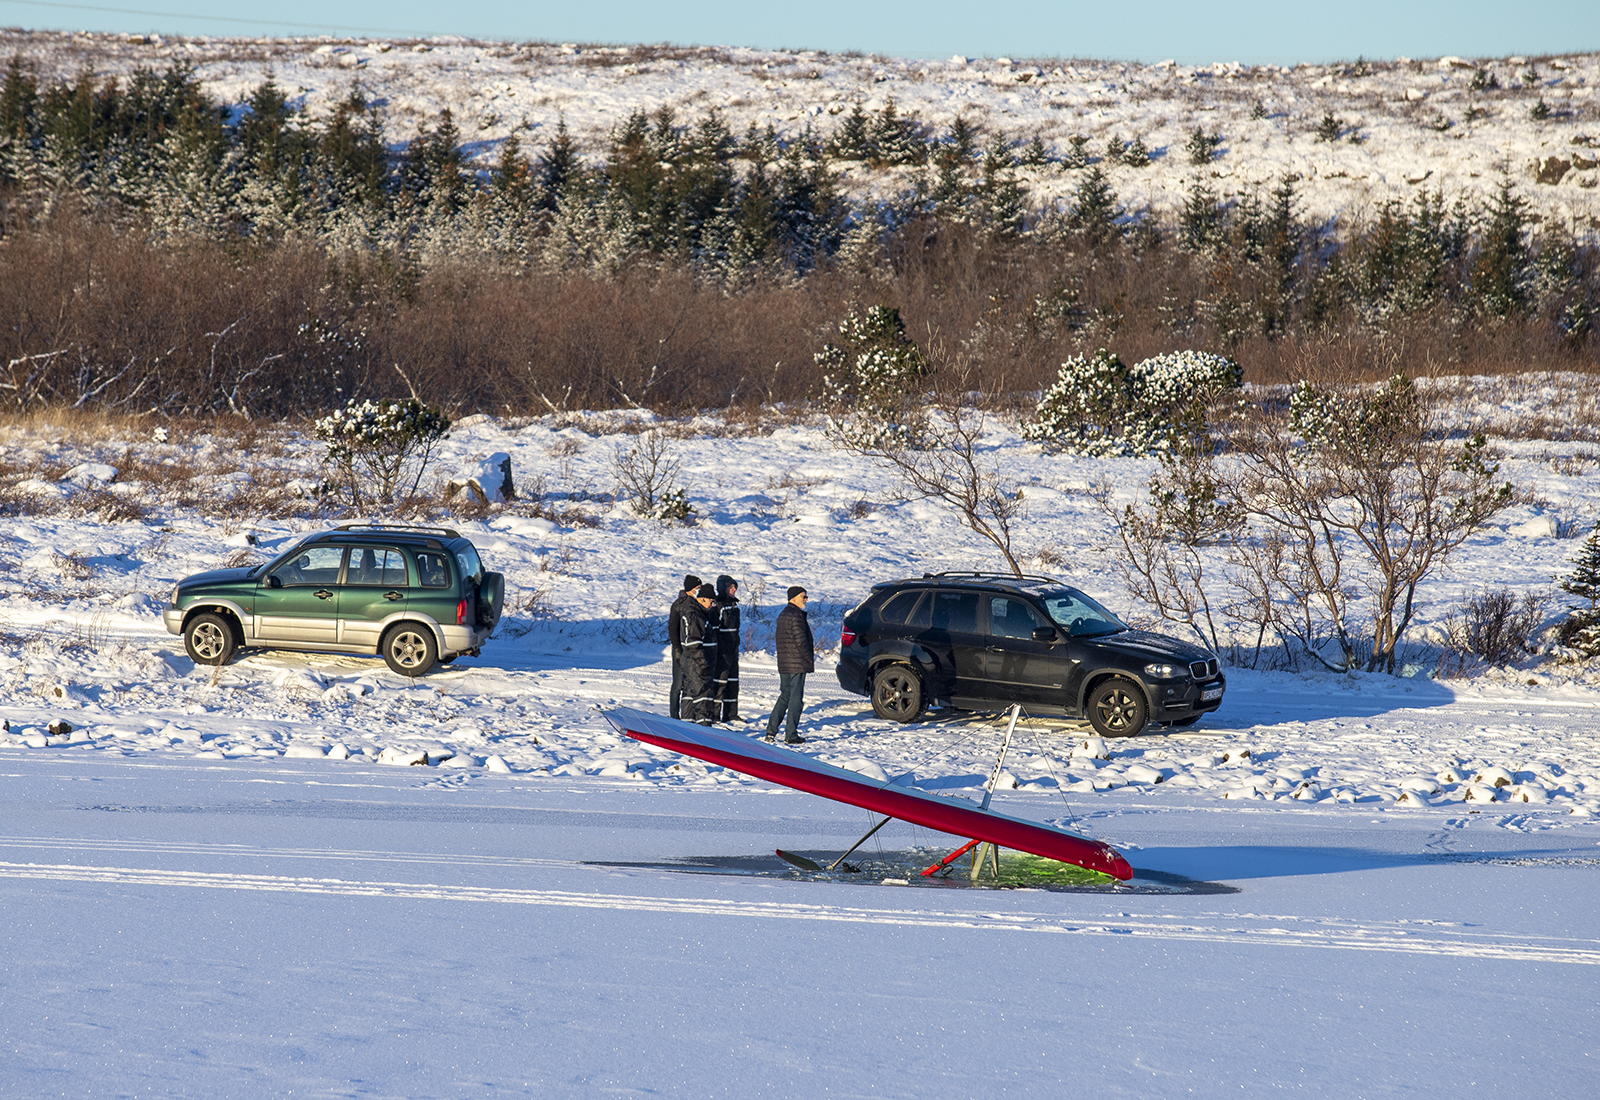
{"x": 699, "y": 657}
{"x": 797, "y": 655}
{"x": 675, "y": 637}
{"x": 726, "y": 618}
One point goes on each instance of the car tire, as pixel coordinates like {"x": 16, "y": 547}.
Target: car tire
{"x": 409, "y": 649}
{"x": 209, "y": 639}
{"x": 897, "y": 694}
{"x": 1117, "y": 708}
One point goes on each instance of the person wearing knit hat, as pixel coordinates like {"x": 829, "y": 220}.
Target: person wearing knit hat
{"x": 675, "y": 638}
{"x": 699, "y": 636}
{"x": 725, "y": 617}
{"x": 797, "y": 656}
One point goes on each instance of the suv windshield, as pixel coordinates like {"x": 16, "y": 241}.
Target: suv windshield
{"x": 1078, "y": 615}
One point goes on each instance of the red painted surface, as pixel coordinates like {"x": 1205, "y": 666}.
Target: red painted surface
{"x": 802, "y": 773}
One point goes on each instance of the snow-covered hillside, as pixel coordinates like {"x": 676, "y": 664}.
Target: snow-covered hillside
{"x": 1403, "y": 125}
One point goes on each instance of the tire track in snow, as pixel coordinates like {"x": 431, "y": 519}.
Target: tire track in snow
{"x": 1352, "y": 937}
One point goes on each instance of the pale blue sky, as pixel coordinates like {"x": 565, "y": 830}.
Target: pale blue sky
{"x": 1250, "y": 31}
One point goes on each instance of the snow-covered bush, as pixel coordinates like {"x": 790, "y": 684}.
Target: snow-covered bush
{"x": 377, "y": 449}
{"x": 872, "y": 380}
{"x": 1099, "y": 406}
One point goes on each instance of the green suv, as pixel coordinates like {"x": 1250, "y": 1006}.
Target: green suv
{"x": 417, "y": 595}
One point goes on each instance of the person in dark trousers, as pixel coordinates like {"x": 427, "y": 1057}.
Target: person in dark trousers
{"x": 675, "y": 637}
{"x": 726, "y": 617}
{"x": 699, "y": 657}
{"x": 797, "y": 655}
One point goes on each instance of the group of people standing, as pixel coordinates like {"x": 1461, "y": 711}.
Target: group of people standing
{"x": 704, "y": 630}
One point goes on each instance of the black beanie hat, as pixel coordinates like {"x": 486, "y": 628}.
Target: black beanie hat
{"x": 795, "y": 590}
{"x": 705, "y": 592}
{"x": 690, "y": 581}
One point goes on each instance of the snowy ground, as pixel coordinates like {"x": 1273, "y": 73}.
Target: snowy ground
{"x": 1406, "y": 123}
{"x": 214, "y": 884}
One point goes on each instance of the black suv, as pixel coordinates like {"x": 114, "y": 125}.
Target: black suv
{"x": 982, "y": 641}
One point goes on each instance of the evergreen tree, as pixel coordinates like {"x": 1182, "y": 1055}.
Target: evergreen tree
{"x": 1077, "y": 156}
{"x": 1201, "y": 147}
{"x": 1001, "y": 196}
{"x": 1094, "y": 209}
{"x": 807, "y": 210}
{"x": 20, "y": 135}
{"x": 952, "y": 161}
{"x": 351, "y": 165}
{"x": 431, "y": 169}
{"x": 1581, "y": 630}
{"x": 1116, "y": 149}
{"x": 1200, "y": 225}
{"x": 1584, "y": 580}
{"x": 555, "y": 165}
{"x": 1137, "y": 155}
{"x": 1035, "y": 156}
{"x": 1501, "y": 273}
{"x": 897, "y": 139}
{"x": 853, "y": 139}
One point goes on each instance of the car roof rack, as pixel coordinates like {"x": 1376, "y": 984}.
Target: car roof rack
{"x": 363, "y": 525}
{"x": 979, "y": 575}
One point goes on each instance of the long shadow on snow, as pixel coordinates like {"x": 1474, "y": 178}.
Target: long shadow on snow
{"x": 1230, "y": 863}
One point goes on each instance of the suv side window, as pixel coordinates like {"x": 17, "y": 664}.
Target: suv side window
{"x": 955, "y": 611}
{"x": 317, "y": 565}
{"x": 374, "y": 565}
{"x": 1010, "y": 617}
{"x": 432, "y": 570}
{"x": 898, "y": 611}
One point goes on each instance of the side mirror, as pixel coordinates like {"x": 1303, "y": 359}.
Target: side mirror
{"x": 1044, "y": 634}
{"x": 274, "y": 581}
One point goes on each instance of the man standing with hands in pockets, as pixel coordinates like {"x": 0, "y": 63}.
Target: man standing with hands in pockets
{"x": 797, "y": 655}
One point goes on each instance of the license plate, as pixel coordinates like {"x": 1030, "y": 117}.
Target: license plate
{"x": 1211, "y": 693}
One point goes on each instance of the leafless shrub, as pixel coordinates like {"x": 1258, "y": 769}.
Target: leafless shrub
{"x": 647, "y": 476}
{"x": 72, "y": 565}
{"x": 1495, "y": 627}
{"x": 107, "y": 506}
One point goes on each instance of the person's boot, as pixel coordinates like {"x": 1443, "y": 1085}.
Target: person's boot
{"x": 794, "y": 739}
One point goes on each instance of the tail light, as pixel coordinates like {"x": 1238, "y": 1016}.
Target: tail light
{"x": 847, "y": 637}
{"x": 461, "y": 613}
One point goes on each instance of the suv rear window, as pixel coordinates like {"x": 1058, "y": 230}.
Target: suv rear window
{"x": 471, "y": 567}
{"x": 433, "y": 570}
{"x": 897, "y": 612}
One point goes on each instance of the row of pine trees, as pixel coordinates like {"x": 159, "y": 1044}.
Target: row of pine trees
{"x": 738, "y": 209}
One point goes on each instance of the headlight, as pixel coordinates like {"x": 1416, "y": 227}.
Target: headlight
{"x": 1161, "y": 672}
{"x": 173, "y": 598}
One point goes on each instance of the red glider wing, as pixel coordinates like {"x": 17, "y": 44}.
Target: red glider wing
{"x": 803, "y": 773}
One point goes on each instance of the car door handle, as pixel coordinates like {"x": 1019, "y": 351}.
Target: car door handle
{"x": 393, "y": 596}
{"x": 324, "y": 594}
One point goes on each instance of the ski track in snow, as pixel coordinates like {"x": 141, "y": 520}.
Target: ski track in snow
{"x": 1267, "y": 931}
